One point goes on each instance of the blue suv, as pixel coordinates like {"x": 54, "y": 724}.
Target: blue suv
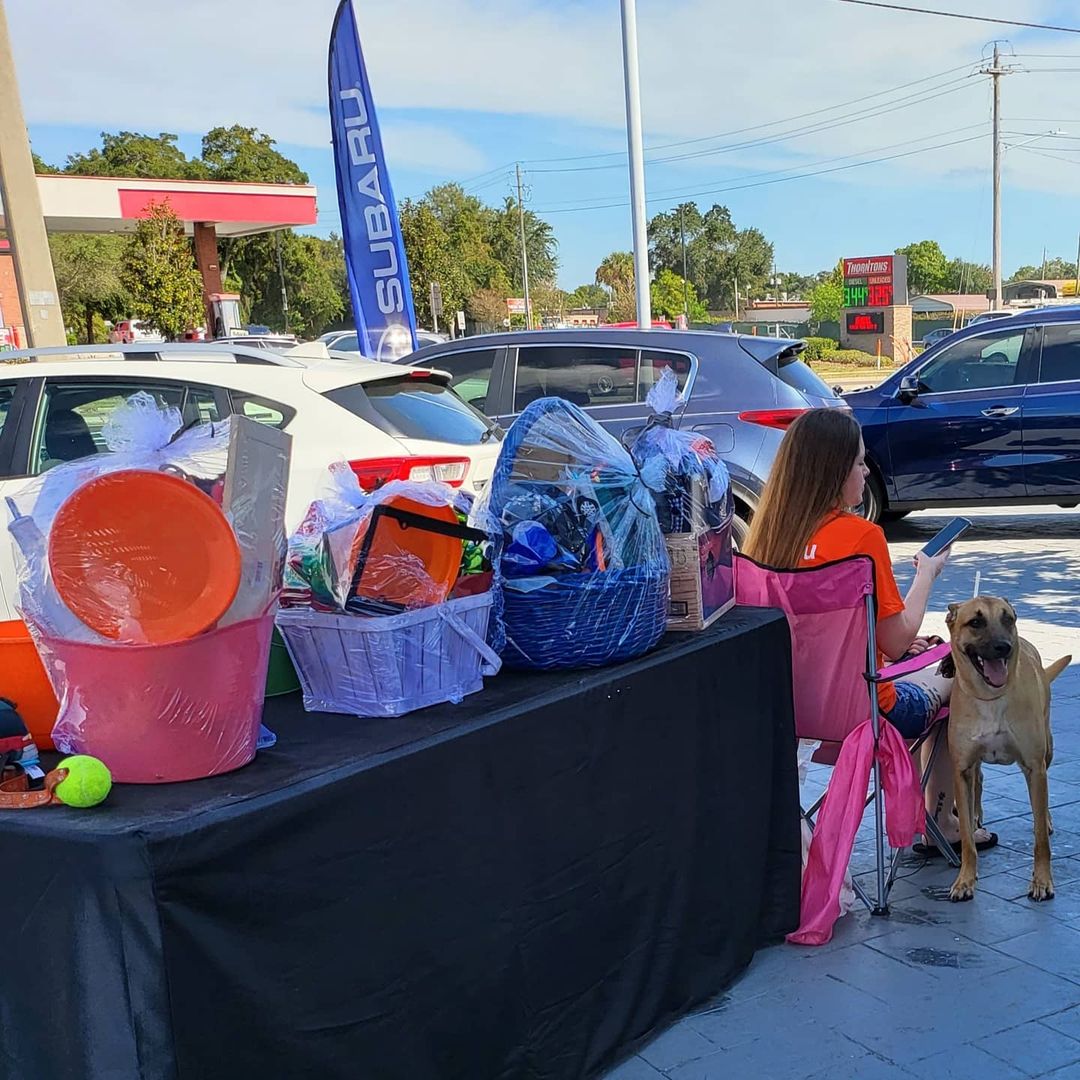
{"x": 990, "y": 416}
{"x": 741, "y": 391}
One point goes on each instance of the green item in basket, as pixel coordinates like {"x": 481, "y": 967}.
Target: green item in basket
{"x": 281, "y": 677}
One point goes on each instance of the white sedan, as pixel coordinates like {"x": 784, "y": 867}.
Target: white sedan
{"x": 389, "y": 423}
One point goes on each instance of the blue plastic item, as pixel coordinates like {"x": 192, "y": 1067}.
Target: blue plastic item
{"x": 555, "y": 454}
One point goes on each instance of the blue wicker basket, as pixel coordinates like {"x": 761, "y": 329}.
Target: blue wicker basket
{"x": 579, "y": 619}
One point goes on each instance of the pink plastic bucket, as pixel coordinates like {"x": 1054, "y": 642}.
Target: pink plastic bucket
{"x": 160, "y": 713}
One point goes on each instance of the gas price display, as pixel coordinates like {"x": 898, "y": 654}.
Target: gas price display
{"x": 862, "y": 295}
{"x": 875, "y": 281}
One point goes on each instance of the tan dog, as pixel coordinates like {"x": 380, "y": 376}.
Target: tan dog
{"x": 999, "y": 712}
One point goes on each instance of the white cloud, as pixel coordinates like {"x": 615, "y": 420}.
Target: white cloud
{"x": 706, "y": 67}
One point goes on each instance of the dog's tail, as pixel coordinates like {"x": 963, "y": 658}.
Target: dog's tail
{"x": 1056, "y": 668}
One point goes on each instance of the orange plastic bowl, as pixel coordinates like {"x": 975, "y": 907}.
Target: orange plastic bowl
{"x": 440, "y": 556}
{"x": 144, "y": 556}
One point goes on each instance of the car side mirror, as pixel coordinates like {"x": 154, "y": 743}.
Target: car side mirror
{"x": 909, "y": 388}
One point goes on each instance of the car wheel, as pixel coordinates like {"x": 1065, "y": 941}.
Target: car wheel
{"x": 740, "y": 530}
{"x": 873, "y": 499}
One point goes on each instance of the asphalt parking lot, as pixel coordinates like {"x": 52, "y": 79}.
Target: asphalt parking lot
{"x": 988, "y": 989}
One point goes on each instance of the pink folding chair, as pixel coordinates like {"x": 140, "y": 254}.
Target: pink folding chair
{"x": 831, "y": 613}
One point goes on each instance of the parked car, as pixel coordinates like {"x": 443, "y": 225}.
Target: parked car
{"x": 988, "y": 417}
{"x": 992, "y": 316}
{"x": 388, "y": 423}
{"x": 934, "y": 336}
{"x": 346, "y": 340}
{"x": 741, "y": 391}
{"x": 131, "y": 331}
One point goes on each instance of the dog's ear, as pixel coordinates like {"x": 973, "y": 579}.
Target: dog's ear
{"x": 947, "y": 668}
{"x": 1009, "y": 605}
{"x": 951, "y": 617}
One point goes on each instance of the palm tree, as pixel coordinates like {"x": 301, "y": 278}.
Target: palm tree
{"x": 616, "y": 273}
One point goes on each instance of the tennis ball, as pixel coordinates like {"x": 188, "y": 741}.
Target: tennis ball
{"x": 87, "y": 783}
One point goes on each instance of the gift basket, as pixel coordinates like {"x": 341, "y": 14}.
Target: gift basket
{"x": 582, "y": 562}
{"x": 387, "y": 600}
{"x": 691, "y": 489}
{"x": 148, "y": 579}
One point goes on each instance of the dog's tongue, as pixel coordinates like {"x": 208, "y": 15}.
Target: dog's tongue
{"x": 995, "y": 672}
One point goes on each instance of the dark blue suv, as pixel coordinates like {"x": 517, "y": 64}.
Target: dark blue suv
{"x": 741, "y": 391}
{"x": 990, "y": 416}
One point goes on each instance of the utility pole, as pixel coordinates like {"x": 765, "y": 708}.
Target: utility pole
{"x": 1076, "y": 292}
{"x": 995, "y": 72}
{"x": 685, "y": 287}
{"x": 281, "y": 278}
{"x": 736, "y": 297}
{"x": 524, "y": 253}
{"x": 1044, "y": 264}
{"x": 637, "y": 163}
{"x": 41, "y": 314}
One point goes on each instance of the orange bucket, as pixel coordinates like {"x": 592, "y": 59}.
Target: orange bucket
{"x": 144, "y": 556}
{"x": 395, "y": 551}
{"x": 23, "y": 680}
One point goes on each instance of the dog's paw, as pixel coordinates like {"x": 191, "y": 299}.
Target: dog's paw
{"x": 1042, "y": 888}
{"x": 963, "y": 889}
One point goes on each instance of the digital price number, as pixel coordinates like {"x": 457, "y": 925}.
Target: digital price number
{"x": 868, "y": 295}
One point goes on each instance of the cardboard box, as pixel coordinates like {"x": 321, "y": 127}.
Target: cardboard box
{"x": 702, "y": 577}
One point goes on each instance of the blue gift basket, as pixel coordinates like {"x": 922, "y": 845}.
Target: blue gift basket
{"x": 583, "y": 564}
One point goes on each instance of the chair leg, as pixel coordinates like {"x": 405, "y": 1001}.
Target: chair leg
{"x": 882, "y": 905}
{"x": 932, "y": 828}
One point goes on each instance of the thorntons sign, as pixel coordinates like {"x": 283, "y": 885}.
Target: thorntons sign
{"x": 882, "y": 265}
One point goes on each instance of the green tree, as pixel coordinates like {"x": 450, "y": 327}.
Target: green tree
{"x": 243, "y": 153}
{"x": 928, "y": 268}
{"x": 488, "y": 307}
{"x": 827, "y": 296}
{"x": 968, "y": 277}
{"x": 667, "y": 292}
{"x": 717, "y": 253}
{"x": 503, "y": 235}
{"x": 89, "y": 278}
{"x": 587, "y": 296}
{"x": 432, "y": 257}
{"x": 1053, "y": 269}
{"x": 43, "y": 168}
{"x": 158, "y": 270}
{"x": 128, "y": 153}
{"x": 616, "y": 274}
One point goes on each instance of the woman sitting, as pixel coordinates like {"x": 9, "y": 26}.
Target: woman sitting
{"x": 805, "y": 519}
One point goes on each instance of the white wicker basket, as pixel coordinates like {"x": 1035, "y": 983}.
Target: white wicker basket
{"x": 393, "y": 664}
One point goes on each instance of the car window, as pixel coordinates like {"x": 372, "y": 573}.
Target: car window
{"x": 261, "y": 410}
{"x": 654, "y": 362}
{"x": 201, "y": 406}
{"x": 413, "y": 408}
{"x": 470, "y": 373}
{"x": 348, "y": 343}
{"x": 1060, "y": 353}
{"x": 975, "y": 363}
{"x": 7, "y": 395}
{"x": 583, "y": 375}
{"x": 75, "y": 414}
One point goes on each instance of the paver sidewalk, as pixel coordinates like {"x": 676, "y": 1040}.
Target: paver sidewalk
{"x": 977, "y": 991}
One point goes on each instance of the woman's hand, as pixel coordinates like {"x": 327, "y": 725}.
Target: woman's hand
{"x": 931, "y": 565}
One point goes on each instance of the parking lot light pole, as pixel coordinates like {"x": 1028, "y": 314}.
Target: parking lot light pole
{"x": 637, "y": 162}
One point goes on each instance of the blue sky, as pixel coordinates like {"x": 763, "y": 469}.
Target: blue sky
{"x": 466, "y": 87}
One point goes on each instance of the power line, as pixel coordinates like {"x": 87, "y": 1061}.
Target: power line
{"x": 959, "y": 15}
{"x": 757, "y": 127}
{"x": 868, "y": 113}
{"x": 779, "y": 180}
{"x": 793, "y": 168}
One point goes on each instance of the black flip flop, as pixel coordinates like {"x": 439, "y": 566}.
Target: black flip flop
{"x": 930, "y": 851}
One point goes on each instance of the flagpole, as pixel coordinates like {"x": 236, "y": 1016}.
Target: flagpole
{"x": 637, "y": 162}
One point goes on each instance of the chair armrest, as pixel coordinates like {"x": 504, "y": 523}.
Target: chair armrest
{"x": 905, "y": 667}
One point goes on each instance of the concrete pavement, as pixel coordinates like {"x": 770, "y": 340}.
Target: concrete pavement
{"x": 985, "y": 990}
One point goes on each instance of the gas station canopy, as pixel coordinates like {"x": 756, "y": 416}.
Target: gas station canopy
{"x": 99, "y": 204}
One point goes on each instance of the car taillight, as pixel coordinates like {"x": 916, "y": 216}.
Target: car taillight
{"x": 774, "y": 418}
{"x": 374, "y": 472}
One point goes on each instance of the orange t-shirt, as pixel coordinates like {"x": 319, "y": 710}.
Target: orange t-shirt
{"x": 842, "y": 536}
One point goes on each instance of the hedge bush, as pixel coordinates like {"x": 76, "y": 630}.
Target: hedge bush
{"x": 854, "y": 358}
{"x": 818, "y": 347}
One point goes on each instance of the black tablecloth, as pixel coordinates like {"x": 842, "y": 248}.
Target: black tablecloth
{"x": 524, "y": 885}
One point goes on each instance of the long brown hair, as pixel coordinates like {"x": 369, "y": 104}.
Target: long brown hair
{"x": 804, "y": 486}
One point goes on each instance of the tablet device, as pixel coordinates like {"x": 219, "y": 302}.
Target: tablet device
{"x": 952, "y": 532}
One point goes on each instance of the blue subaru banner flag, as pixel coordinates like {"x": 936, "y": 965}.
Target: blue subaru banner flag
{"x": 374, "y": 250}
